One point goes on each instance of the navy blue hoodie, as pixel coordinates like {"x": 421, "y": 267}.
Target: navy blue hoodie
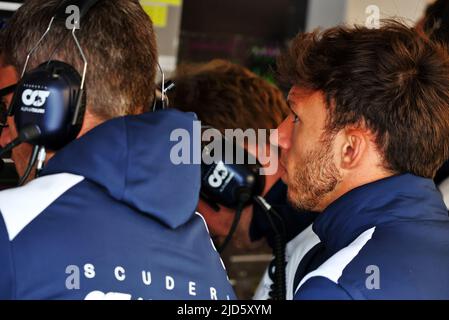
{"x": 111, "y": 218}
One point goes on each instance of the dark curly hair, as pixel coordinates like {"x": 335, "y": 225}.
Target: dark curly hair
{"x": 393, "y": 80}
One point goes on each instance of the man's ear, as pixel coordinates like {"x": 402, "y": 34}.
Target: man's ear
{"x": 354, "y": 147}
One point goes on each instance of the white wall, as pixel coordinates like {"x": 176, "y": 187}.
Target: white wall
{"x": 327, "y": 13}
{"x": 410, "y": 10}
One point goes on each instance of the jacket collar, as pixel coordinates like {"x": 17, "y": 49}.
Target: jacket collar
{"x": 402, "y": 197}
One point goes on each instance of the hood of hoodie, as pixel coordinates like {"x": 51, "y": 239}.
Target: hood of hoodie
{"x": 131, "y": 158}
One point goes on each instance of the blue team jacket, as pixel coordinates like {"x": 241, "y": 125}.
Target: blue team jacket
{"x": 111, "y": 218}
{"x": 385, "y": 240}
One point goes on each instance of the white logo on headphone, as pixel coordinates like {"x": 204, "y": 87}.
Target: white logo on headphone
{"x": 36, "y": 98}
{"x": 220, "y": 173}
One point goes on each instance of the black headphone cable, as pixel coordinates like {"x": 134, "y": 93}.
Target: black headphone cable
{"x": 278, "y": 288}
{"x": 243, "y": 199}
{"x": 30, "y": 166}
{"x": 28, "y": 133}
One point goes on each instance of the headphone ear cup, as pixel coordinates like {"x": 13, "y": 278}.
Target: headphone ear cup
{"x": 51, "y": 98}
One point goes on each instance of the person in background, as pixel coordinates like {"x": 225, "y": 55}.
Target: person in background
{"x": 225, "y": 95}
{"x": 8, "y": 77}
{"x": 435, "y": 24}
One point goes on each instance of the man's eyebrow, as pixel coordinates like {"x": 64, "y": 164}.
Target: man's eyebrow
{"x": 290, "y": 106}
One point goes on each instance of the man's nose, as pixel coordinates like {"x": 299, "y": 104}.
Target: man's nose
{"x": 284, "y": 132}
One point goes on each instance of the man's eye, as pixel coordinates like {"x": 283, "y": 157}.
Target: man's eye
{"x": 295, "y": 118}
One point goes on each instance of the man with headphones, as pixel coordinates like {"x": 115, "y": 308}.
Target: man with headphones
{"x": 109, "y": 216}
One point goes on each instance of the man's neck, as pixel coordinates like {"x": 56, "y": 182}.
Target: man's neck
{"x": 90, "y": 121}
{"x": 353, "y": 181}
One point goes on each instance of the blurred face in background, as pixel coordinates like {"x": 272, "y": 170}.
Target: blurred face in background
{"x": 20, "y": 154}
{"x": 219, "y": 222}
